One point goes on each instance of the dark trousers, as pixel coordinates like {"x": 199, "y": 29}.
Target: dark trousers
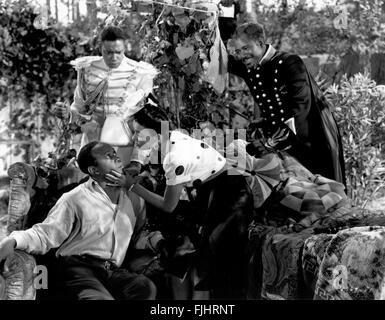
{"x": 89, "y": 278}
{"x": 227, "y": 207}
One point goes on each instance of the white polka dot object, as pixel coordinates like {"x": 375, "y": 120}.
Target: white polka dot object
{"x": 190, "y": 160}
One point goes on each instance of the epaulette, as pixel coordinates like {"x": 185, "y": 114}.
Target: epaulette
{"x": 83, "y": 62}
{"x": 143, "y": 67}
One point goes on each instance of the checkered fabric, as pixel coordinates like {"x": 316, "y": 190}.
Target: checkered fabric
{"x": 262, "y": 174}
{"x": 302, "y": 191}
{"x": 305, "y": 195}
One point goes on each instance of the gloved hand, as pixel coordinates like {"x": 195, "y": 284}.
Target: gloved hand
{"x": 281, "y": 139}
{"x": 261, "y": 141}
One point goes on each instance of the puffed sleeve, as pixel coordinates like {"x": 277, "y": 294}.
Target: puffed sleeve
{"x": 146, "y": 74}
{"x": 80, "y": 64}
{"x": 79, "y": 99}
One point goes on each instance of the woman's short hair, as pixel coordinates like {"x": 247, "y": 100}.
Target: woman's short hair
{"x": 252, "y": 30}
{"x": 112, "y": 33}
{"x": 85, "y": 157}
{"x": 151, "y": 115}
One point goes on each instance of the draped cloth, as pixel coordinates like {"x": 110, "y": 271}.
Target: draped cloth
{"x": 262, "y": 174}
{"x": 344, "y": 265}
{"x": 216, "y": 73}
{"x": 329, "y": 137}
{"x": 317, "y": 260}
{"x": 318, "y": 195}
{"x": 301, "y": 191}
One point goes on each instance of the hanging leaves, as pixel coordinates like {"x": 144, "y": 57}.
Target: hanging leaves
{"x": 181, "y": 18}
{"x": 35, "y": 62}
{"x": 35, "y": 69}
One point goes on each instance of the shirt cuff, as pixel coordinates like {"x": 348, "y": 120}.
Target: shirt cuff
{"x": 21, "y": 241}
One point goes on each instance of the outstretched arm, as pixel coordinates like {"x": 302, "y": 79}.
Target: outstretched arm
{"x": 146, "y": 74}
{"x": 166, "y": 203}
{"x": 48, "y": 234}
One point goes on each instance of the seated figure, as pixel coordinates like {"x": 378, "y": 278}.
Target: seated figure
{"x": 76, "y": 233}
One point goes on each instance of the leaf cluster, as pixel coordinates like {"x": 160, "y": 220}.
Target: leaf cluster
{"x": 360, "y": 115}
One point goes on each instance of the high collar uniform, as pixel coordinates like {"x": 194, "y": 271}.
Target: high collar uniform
{"x": 283, "y": 88}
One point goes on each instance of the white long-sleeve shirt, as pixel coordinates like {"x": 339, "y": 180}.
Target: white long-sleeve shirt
{"x": 85, "y": 221}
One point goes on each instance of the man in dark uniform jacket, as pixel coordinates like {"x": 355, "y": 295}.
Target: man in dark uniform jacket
{"x": 283, "y": 89}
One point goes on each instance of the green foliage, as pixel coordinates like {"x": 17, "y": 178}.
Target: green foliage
{"x": 360, "y": 115}
{"x": 33, "y": 60}
{"x": 177, "y": 42}
{"x": 35, "y": 70}
{"x": 306, "y": 31}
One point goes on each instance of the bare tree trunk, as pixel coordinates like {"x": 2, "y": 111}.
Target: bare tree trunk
{"x": 56, "y": 11}
{"x": 248, "y": 10}
{"x": 75, "y": 10}
{"x": 378, "y": 67}
{"x": 179, "y": 102}
{"x": 48, "y": 4}
{"x": 281, "y": 31}
{"x": 91, "y": 10}
{"x": 350, "y": 65}
{"x": 68, "y": 10}
{"x": 78, "y": 10}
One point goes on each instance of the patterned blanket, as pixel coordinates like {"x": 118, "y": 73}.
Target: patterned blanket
{"x": 308, "y": 242}
{"x": 291, "y": 263}
{"x": 352, "y": 267}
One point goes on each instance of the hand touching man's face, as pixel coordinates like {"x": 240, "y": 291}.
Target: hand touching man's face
{"x": 126, "y": 179}
{"x": 106, "y": 160}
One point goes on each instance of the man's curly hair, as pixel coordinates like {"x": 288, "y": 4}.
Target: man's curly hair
{"x": 251, "y": 30}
